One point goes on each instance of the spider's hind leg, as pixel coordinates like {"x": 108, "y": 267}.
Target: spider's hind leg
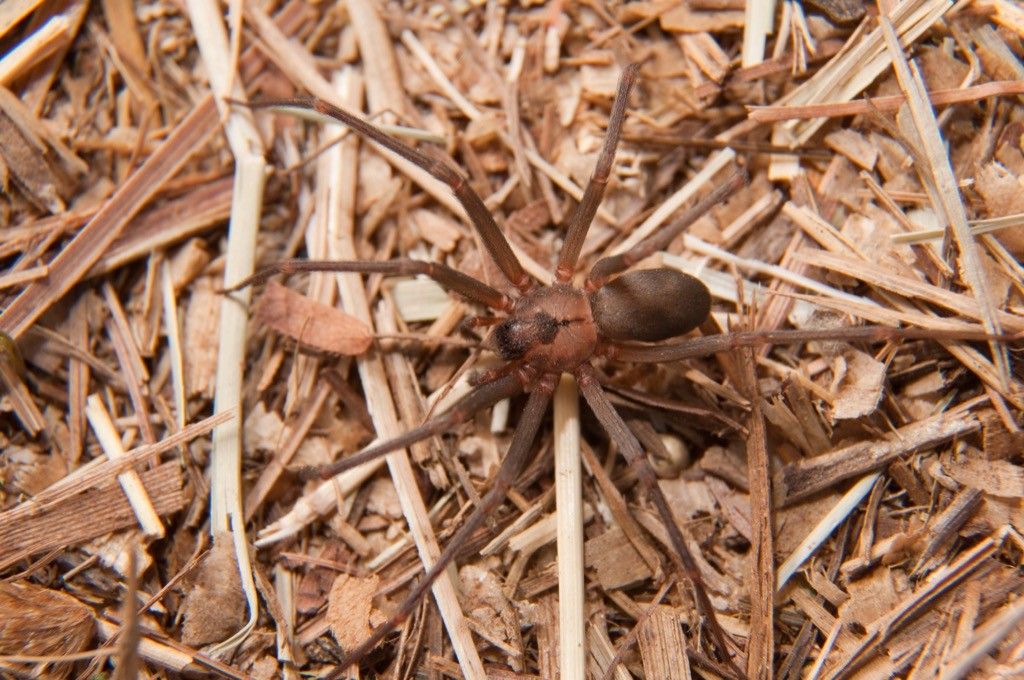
{"x": 623, "y": 437}
{"x": 450, "y": 279}
{"x": 518, "y": 453}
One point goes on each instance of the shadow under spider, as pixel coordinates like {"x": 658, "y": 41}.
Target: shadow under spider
{"x": 548, "y": 330}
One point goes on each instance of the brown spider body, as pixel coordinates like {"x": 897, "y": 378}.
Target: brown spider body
{"x": 548, "y": 330}
{"x": 557, "y": 329}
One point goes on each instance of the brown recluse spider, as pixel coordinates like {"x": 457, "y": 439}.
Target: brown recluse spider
{"x": 548, "y": 330}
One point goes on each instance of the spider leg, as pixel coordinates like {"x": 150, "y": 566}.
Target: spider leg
{"x": 607, "y": 267}
{"x": 484, "y": 395}
{"x": 479, "y": 215}
{"x": 620, "y": 433}
{"x": 710, "y": 344}
{"x": 518, "y": 453}
{"x": 451, "y": 279}
{"x": 581, "y": 218}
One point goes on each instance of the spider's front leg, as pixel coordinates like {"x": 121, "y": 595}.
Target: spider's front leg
{"x": 581, "y": 218}
{"x": 480, "y": 217}
{"x": 450, "y": 279}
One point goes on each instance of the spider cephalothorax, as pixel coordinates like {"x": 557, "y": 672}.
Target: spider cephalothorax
{"x": 551, "y": 329}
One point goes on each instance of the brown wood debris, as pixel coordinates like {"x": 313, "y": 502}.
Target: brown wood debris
{"x": 855, "y": 505}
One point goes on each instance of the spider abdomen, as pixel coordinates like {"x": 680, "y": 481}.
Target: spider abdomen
{"x": 650, "y": 305}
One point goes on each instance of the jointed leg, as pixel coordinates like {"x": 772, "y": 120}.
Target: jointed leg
{"x": 607, "y": 267}
{"x": 487, "y": 394}
{"x": 449, "y": 278}
{"x": 481, "y": 218}
{"x": 518, "y": 453}
{"x": 616, "y": 428}
{"x": 581, "y": 218}
{"x": 698, "y": 347}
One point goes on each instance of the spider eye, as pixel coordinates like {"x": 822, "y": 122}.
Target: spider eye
{"x": 515, "y": 336}
{"x": 650, "y": 305}
{"x": 511, "y": 339}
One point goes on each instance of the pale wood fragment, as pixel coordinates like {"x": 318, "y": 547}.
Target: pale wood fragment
{"x": 569, "y": 504}
{"x": 662, "y": 645}
{"x": 616, "y": 561}
{"x": 130, "y": 481}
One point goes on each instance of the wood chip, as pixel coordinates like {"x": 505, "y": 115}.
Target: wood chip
{"x": 350, "y": 612}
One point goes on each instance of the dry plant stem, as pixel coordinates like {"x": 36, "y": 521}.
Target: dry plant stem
{"x": 130, "y": 481}
{"x": 569, "y": 503}
{"x": 761, "y": 567}
{"x": 518, "y": 453}
{"x": 226, "y": 513}
{"x": 757, "y": 24}
{"x": 612, "y": 422}
{"x": 416, "y": 513}
{"x": 172, "y": 326}
{"x": 340, "y": 164}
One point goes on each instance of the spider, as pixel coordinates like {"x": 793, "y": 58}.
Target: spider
{"x": 544, "y": 331}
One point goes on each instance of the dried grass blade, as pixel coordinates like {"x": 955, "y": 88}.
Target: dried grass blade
{"x": 856, "y": 66}
{"x": 172, "y": 330}
{"x": 938, "y": 177}
{"x": 378, "y": 397}
{"x": 247, "y": 201}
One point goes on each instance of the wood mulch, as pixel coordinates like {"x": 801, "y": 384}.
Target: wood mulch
{"x": 857, "y": 507}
